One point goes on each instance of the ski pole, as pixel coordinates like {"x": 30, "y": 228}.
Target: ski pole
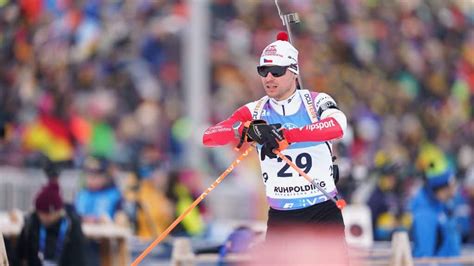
{"x": 287, "y": 20}
{"x": 340, "y": 203}
{"x": 191, "y": 207}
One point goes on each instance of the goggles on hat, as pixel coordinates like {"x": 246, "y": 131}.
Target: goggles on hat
{"x": 277, "y": 71}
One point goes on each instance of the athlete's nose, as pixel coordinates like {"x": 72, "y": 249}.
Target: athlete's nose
{"x": 269, "y": 76}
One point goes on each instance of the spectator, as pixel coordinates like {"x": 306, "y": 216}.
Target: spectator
{"x": 155, "y": 210}
{"x": 51, "y": 235}
{"x": 180, "y": 194}
{"x": 160, "y": 196}
{"x": 100, "y": 199}
{"x": 385, "y": 204}
{"x": 435, "y": 229}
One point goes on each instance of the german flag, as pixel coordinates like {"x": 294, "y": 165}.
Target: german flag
{"x": 51, "y": 136}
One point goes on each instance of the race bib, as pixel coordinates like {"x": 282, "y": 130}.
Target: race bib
{"x": 286, "y": 189}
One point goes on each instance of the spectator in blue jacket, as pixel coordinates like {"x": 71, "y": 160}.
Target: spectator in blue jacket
{"x": 436, "y": 231}
{"x": 100, "y": 199}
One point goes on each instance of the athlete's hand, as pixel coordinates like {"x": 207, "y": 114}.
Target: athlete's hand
{"x": 249, "y": 126}
{"x": 269, "y": 136}
{"x": 257, "y": 131}
{"x": 272, "y": 141}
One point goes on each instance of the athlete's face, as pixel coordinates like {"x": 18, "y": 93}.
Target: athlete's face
{"x": 279, "y": 88}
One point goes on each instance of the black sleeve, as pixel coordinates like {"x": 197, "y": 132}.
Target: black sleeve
{"x": 25, "y": 246}
{"x": 21, "y": 248}
{"x": 325, "y": 106}
{"x": 324, "y": 102}
{"x": 74, "y": 252}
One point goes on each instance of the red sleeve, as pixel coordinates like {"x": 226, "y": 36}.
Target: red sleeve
{"x": 222, "y": 133}
{"x": 324, "y": 130}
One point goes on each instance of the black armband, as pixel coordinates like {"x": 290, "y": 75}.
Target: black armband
{"x": 325, "y": 106}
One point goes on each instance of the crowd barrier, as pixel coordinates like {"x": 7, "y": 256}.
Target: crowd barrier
{"x": 19, "y": 186}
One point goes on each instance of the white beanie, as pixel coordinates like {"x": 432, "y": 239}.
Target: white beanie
{"x": 280, "y": 53}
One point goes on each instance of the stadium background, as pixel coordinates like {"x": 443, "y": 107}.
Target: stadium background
{"x": 116, "y": 78}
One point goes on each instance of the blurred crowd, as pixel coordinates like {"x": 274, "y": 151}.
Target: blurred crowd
{"x": 103, "y": 78}
{"x": 89, "y": 77}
